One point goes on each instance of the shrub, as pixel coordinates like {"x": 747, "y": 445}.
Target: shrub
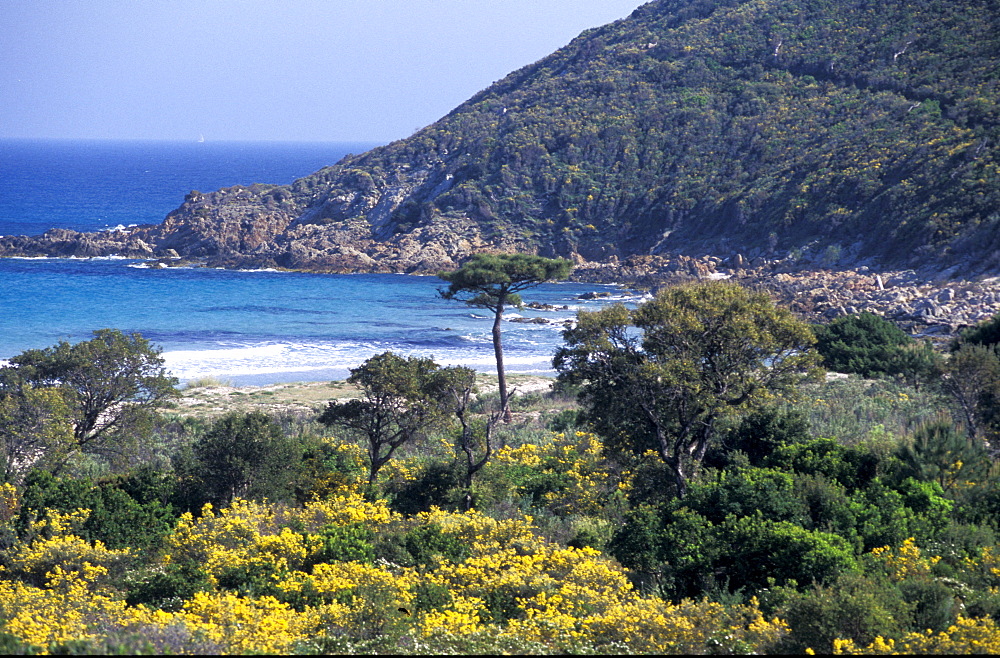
{"x": 246, "y": 455}
{"x": 865, "y": 344}
{"x": 854, "y": 607}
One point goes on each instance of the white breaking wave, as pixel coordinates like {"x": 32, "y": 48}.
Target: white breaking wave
{"x": 333, "y": 361}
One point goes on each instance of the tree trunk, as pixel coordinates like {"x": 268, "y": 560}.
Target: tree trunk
{"x": 680, "y": 477}
{"x": 501, "y": 374}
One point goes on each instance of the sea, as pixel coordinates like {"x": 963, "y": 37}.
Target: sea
{"x": 244, "y": 327}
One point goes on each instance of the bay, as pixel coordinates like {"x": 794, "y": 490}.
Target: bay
{"x": 248, "y": 327}
{"x": 262, "y": 327}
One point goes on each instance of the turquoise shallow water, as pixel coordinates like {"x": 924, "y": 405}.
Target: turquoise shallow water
{"x": 252, "y": 327}
{"x": 258, "y": 327}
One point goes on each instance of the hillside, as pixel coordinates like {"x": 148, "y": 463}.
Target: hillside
{"x": 867, "y": 129}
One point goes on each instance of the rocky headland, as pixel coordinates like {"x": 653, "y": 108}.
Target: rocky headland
{"x": 847, "y": 168}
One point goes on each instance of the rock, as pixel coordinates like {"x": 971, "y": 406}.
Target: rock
{"x": 945, "y": 295}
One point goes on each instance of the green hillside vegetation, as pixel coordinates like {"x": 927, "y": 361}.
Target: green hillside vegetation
{"x": 722, "y": 126}
{"x": 847, "y": 515}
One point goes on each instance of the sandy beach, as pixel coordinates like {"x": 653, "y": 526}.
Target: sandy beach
{"x": 301, "y": 398}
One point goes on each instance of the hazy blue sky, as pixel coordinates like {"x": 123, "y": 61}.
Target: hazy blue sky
{"x": 331, "y": 70}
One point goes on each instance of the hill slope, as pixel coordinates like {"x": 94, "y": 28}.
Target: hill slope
{"x": 867, "y": 127}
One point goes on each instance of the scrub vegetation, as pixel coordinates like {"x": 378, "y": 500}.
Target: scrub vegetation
{"x": 689, "y": 485}
{"x": 848, "y": 129}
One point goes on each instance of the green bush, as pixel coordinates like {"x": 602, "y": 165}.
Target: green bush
{"x": 986, "y": 333}
{"x": 855, "y": 606}
{"x": 116, "y": 518}
{"x": 438, "y": 484}
{"x": 852, "y": 467}
{"x": 246, "y": 455}
{"x": 428, "y": 543}
{"x": 744, "y": 492}
{"x": 762, "y": 432}
{"x": 866, "y": 344}
{"x": 347, "y": 543}
{"x": 168, "y": 588}
{"x": 759, "y": 549}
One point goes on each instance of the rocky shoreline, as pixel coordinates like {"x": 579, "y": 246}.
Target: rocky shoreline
{"x": 936, "y": 304}
{"x": 932, "y": 302}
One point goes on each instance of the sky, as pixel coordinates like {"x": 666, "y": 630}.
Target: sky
{"x": 269, "y": 70}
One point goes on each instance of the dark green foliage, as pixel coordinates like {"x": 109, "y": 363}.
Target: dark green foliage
{"x": 743, "y": 492}
{"x": 427, "y": 543}
{"x": 439, "y": 484}
{"x": 855, "y": 606}
{"x": 852, "y": 467}
{"x": 428, "y": 596}
{"x": 167, "y": 589}
{"x": 828, "y": 507}
{"x": 760, "y": 549}
{"x": 760, "y": 433}
{"x": 685, "y": 554}
{"x": 117, "y": 519}
{"x": 986, "y": 333}
{"x": 11, "y": 646}
{"x": 251, "y": 579}
{"x": 246, "y": 455}
{"x": 865, "y": 344}
{"x": 934, "y": 604}
{"x": 941, "y": 453}
{"x": 566, "y": 420}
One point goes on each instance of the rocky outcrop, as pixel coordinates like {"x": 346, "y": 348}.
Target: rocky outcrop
{"x": 929, "y": 303}
{"x": 918, "y": 303}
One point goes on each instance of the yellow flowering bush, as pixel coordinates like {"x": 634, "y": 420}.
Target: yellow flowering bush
{"x": 966, "y": 636}
{"x": 247, "y": 625}
{"x": 560, "y": 598}
{"x": 55, "y": 546}
{"x": 244, "y": 533}
{"x": 10, "y": 502}
{"x": 905, "y": 561}
{"x": 66, "y": 610}
{"x": 572, "y": 467}
{"x": 507, "y": 589}
{"x": 986, "y": 569}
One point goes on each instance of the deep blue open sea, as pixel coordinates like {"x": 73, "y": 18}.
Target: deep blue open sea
{"x": 249, "y": 327}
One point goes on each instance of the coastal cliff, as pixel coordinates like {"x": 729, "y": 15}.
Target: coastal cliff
{"x": 865, "y": 131}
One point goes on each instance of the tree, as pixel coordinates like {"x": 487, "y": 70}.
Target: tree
{"x": 661, "y": 377}
{"x": 972, "y": 378}
{"x": 866, "y": 344}
{"x": 110, "y": 384}
{"x": 985, "y": 333}
{"x": 246, "y": 455}
{"x": 475, "y": 442}
{"x": 494, "y": 281}
{"x": 401, "y": 399}
{"x": 35, "y": 431}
